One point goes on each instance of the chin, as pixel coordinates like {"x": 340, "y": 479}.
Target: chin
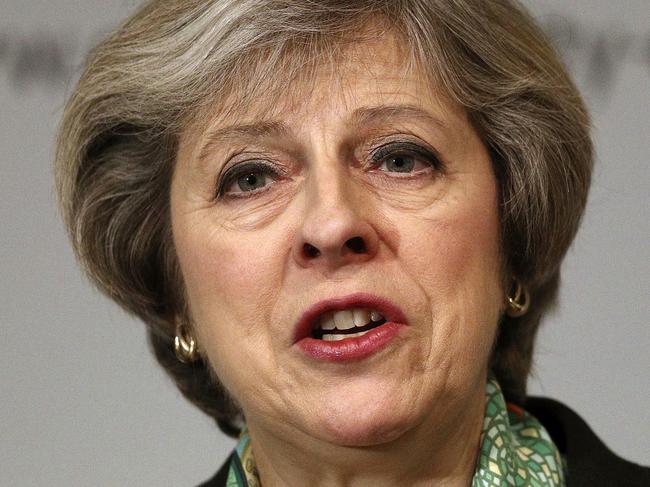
{"x": 366, "y": 427}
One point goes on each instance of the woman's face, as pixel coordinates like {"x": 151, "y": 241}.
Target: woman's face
{"x": 369, "y": 191}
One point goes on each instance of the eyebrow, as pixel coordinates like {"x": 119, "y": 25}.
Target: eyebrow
{"x": 373, "y": 115}
{"x": 360, "y": 117}
{"x": 263, "y": 128}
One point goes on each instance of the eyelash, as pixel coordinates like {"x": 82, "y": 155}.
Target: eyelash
{"x": 390, "y": 150}
{"x": 378, "y": 156}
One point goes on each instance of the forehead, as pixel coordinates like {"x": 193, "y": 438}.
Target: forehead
{"x": 374, "y": 72}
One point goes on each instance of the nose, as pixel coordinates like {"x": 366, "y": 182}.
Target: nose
{"x": 336, "y": 229}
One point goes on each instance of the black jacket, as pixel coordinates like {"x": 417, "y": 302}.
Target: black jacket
{"x": 590, "y": 462}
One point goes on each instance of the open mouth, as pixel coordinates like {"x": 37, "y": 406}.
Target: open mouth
{"x": 348, "y": 328}
{"x": 350, "y": 323}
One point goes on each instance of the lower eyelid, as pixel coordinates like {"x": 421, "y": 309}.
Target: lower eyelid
{"x": 405, "y": 175}
{"x": 247, "y": 194}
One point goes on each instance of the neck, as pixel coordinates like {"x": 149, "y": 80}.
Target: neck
{"x": 433, "y": 453}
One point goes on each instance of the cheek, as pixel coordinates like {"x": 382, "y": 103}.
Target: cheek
{"x": 457, "y": 248}
{"x": 228, "y": 275}
{"x": 229, "y": 279}
{"x": 453, "y": 253}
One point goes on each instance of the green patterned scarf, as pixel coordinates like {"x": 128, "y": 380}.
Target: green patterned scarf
{"x": 515, "y": 447}
{"x": 516, "y": 450}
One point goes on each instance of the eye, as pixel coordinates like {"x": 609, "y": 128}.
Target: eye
{"x": 404, "y": 158}
{"x": 246, "y": 179}
{"x": 401, "y": 163}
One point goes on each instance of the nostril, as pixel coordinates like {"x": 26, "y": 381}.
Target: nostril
{"x": 310, "y": 250}
{"x": 357, "y": 245}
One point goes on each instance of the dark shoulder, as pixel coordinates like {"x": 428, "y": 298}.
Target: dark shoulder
{"x": 589, "y": 461}
{"x": 220, "y": 478}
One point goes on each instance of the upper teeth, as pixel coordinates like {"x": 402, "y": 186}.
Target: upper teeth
{"x": 347, "y": 319}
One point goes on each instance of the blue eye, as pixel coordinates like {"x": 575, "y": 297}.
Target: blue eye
{"x": 250, "y": 177}
{"x": 400, "y": 163}
{"x": 404, "y": 158}
{"x": 251, "y": 181}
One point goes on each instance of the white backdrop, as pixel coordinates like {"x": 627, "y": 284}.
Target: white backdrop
{"x": 83, "y": 402}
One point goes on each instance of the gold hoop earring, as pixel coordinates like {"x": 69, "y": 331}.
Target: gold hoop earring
{"x": 185, "y": 345}
{"x": 519, "y": 302}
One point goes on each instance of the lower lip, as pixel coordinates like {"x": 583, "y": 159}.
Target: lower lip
{"x": 348, "y": 349}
